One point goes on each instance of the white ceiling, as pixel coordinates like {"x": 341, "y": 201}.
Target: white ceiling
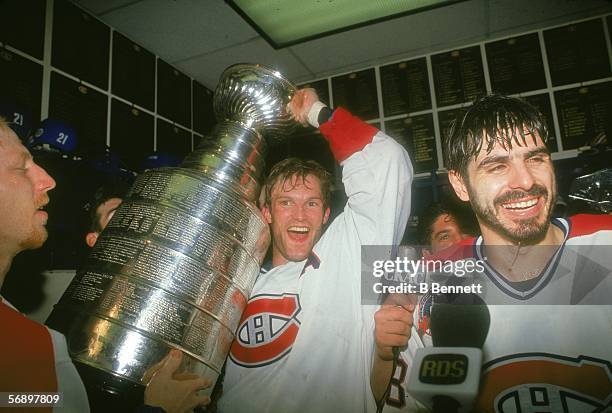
{"x": 203, "y": 37}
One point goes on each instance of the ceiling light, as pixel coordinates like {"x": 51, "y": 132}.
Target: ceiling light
{"x": 286, "y": 22}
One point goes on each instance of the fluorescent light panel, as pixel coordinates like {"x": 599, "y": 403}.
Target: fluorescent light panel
{"x": 286, "y": 22}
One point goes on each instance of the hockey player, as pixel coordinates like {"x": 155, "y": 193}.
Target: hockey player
{"x": 541, "y": 353}
{"x": 304, "y": 343}
{"x": 33, "y": 358}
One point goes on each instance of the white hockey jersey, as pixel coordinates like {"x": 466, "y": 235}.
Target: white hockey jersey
{"x": 305, "y": 342}
{"x": 540, "y": 357}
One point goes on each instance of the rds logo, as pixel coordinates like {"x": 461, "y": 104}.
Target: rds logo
{"x": 443, "y": 369}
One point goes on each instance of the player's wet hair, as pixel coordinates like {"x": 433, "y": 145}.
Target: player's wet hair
{"x": 494, "y": 118}
{"x": 289, "y": 168}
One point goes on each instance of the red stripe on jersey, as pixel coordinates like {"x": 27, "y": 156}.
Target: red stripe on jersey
{"x": 587, "y": 379}
{"x": 587, "y": 224}
{"x": 27, "y": 361}
{"x": 346, "y": 134}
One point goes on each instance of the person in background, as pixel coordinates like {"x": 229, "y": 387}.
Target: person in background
{"x": 101, "y": 209}
{"x": 34, "y": 358}
{"x": 441, "y": 225}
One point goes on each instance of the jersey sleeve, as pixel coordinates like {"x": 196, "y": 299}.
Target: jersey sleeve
{"x": 376, "y": 173}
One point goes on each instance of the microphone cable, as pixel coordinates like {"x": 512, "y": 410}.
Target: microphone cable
{"x": 380, "y": 405}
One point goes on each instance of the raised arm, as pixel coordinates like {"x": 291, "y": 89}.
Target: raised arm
{"x": 377, "y": 173}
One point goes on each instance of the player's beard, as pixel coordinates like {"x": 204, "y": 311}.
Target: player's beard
{"x": 526, "y": 232}
{"x": 35, "y": 239}
{"x": 37, "y": 234}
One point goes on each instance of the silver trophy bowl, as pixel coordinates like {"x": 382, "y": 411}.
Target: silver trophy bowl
{"x": 176, "y": 264}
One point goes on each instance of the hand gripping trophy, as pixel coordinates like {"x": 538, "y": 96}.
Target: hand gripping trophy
{"x": 177, "y": 262}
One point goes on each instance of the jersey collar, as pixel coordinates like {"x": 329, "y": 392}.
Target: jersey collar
{"x": 545, "y": 276}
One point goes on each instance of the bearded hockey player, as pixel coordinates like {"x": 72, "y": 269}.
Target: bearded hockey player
{"x": 548, "y": 281}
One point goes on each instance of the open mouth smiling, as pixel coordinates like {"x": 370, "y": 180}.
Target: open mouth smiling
{"x": 299, "y": 229}
{"x": 521, "y": 205}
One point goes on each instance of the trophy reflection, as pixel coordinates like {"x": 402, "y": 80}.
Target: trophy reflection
{"x": 176, "y": 264}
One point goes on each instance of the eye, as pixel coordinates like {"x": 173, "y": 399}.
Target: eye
{"x": 537, "y": 159}
{"x": 313, "y": 204}
{"x": 497, "y": 168}
{"x": 285, "y": 202}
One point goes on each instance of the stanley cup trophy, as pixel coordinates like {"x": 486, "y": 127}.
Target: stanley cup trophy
{"x": 176, "y": 264}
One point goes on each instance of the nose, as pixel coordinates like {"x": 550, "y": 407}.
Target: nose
{"x": 44, "y": 181}
{"x": 521, "y": 177}
{"x": 299, "y": 212}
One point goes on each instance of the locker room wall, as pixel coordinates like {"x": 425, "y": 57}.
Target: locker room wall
{"x": 59, "y": 61}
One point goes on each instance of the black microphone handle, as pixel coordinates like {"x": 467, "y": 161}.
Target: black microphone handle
{"x": 445, "y": 404}
{"x": 463, "y": 322}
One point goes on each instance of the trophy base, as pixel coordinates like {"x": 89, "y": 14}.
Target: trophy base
{"x": 109, "y": 393}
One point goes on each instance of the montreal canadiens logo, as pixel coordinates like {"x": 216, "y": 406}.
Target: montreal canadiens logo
{"x": 267, "y": 330}
{"x": 546, "y": 383}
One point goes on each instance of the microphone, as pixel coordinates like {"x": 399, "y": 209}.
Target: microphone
{"x": 445, "y": 377}
{"x": 404, "y": 252}
{"x": 409, "y": 253}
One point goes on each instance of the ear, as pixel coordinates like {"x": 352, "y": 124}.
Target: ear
{"x": 326, "y": 215}
{"x": 458, "y": 185}
{"x": 91, "y": 238}
{"x": 265, "y": 210}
